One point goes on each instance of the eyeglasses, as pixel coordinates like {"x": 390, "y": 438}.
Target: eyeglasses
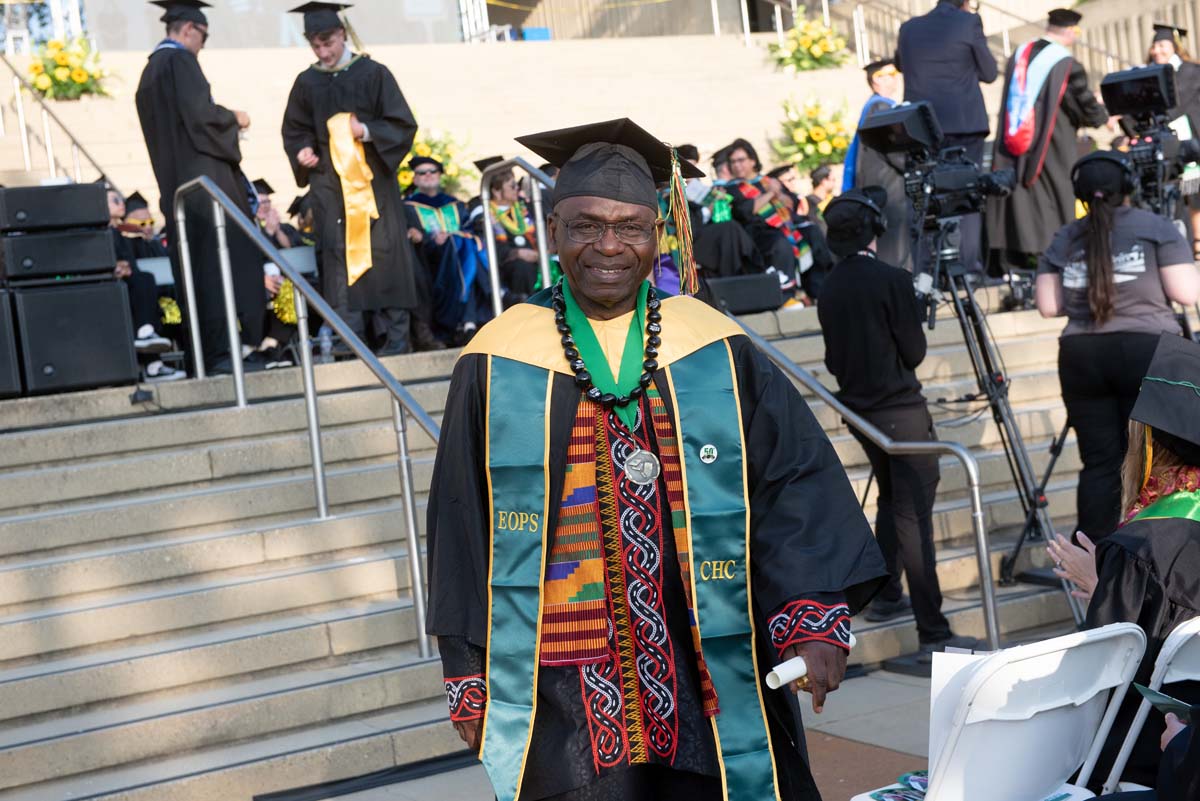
{"x": 588, "y": 232}
{"x": 885, "y": 71}
{"x": 739, "y": 159}
{"x": 141, "y": 223}
{"x": 426, "y": 172}
{"x": 203, "y": 34}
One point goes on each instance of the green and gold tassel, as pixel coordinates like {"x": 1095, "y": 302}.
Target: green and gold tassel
{"x": 689, "y": 281}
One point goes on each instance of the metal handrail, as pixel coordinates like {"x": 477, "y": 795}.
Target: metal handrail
{"x": 893, "y": 447}
{"x": 77, "y": 147}
{"x": 539, "y": 226}
{"x": 403, "y": 403}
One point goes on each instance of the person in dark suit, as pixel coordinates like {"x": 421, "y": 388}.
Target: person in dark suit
{"x": 944, "y": 57}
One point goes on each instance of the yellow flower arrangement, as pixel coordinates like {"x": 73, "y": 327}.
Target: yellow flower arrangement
{"x": 811, "y": 135}
{"x": 67, "y": 71}
{"x": 817, "y": 50}
{"x": 404, "y": 176}
{"x": 451, "y": 170}
{"x": 806, "y": 42}
{"x": 456, "y": 179}
{"x": 422, "y": 149}
{"x": 810, "y": 46}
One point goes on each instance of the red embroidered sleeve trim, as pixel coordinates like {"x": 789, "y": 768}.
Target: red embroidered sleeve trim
{"x": 809, "y": 621}
{"x": 467, "y": 696}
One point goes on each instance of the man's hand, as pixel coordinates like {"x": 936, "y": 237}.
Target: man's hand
{"x": 826, "y": 667}
{"x": 469, "y": 731}
{"x": 307, "y": 158}
{"x": 122, "y": 270}
{"x": 243, "y": 119}
{"x": 271, "y": 222}
{"x": 272, "y": 283}
{"x": 440, "y": 237}
{"x": 356, "y": 128}
{"x": 415, "y": 235}
{"x": 1174, "y": 726}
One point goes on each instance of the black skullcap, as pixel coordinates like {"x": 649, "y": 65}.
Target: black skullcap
{"x": 876, "y": 66}
{"x": 182, "y": 11}
{"x": 422, "y": 160}
{"x": 855, "y": 208}
{"x": 262, "y": 187}
{"x": 1165, "y": 32}
{"x": 1064, "y": 18}
{"x": 320, "y": 17}
{"x": 615, "y": 159}
{"x": 1100, "y": 173}
{"x": 299, "y": 205}
{"x": 483, "y": 164}
{"x": 136, "y": 202}
{"x": 1169, "y": 401}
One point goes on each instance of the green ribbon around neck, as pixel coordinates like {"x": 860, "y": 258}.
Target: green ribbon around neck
{"x": 593, "y": 355}
{"x": 1184, "y": 505}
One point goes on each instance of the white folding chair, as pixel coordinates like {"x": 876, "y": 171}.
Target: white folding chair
{"x": 1179, "y": 660}
{"x": 1027, "y": 717}
{"x": 302, "y": 258}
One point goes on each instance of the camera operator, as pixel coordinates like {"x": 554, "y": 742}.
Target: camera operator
{"x": 1113, "y": 274}
{"x": 873, "y": 344}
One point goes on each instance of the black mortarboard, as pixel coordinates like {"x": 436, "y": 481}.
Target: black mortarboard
{"x": 320, "y": 17}
{"x": 185, "y": 10}
{"x": 419, "y": 160}
{"x": 299, "y": 205}
{"x": 135, "y": 202}
{"x": 483, "y": 164}
{"x": 1165, "y": 32}
{"x": 616, "y": 159}
{"x": 1169, "y": 401}
{"x": 262, "y": 187}
{"x": 1064, "y": 18}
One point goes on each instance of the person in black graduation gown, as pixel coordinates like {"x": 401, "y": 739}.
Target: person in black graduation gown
{"x": 1147, "y": 570}
{"x": 188, "y": 135}
{"x": 147, "y": 245}
{"x": 345, "y": 82}
{"x": 268, "y": 216}
{"x": 1168, "y": 47}
{"x": 1040, "y": 144}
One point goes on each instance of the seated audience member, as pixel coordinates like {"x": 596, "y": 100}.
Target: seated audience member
{"x": 823, "y": 189}
{"x": 268, "y": 216}
{"x": 720, "y": 245}
{"x": 515, "y": 238}
{"x": 137, "y": 213}
{"x": 721, "y": 172}
{"x": 760, "y": 204}
{"x": 303, "y": 232}
{"x": 143, "y": 293}
{"x": 1179, "y": 770}
{"x": 453, "y": 286}
{"x": 814, "y": 233}
{"x": 1146, "y": 571}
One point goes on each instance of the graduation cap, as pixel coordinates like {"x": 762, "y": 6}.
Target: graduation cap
{"x": 320, "y": 17}
{"x": 135, "y": 202}
{"x": 1064, "y": 18}
{"x": 483, "y": 164}
{"x": 262, "y": 187}
{"x": 1169, "y": 401}
{"x": 422, "y": 160}
{"x": 182, "y": 10}
{"x": 1169, "y": 33}
{"x": 299, "y": 205}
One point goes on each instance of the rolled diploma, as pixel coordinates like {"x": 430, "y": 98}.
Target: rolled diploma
{"x": 793, "y": 669}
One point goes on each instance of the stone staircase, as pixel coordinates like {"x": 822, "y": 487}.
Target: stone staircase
{"x": 176, "y": 625}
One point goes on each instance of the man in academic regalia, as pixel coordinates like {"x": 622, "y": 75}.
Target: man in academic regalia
{"x": 633, "y": 517}
{"x": 188, "y": 135}
{"x": 1046, "y": 101}
{"x": 146, "y": 245}
{"x": 346, "y": 129}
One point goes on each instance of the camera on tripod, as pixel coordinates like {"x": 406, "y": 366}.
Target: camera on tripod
{"x": 941, "y": 183}
{"x": 1143, "y": 96}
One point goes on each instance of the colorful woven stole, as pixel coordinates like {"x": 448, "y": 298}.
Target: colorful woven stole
{"x": 777, "y": 216}
{"x": 442, "y": 219}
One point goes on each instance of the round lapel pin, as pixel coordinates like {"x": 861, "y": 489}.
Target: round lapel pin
{"x": 708, "y": 453}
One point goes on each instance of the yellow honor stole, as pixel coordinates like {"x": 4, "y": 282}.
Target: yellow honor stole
{"x": 350, "y": 163}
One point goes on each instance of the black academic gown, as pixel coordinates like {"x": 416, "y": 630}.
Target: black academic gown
{"x": 1043, "y": 200}
{"x": 808, "y": 539}
{"x": 367, "y": 89}
{"x": 1149, "y": 574}
{"x": 188, "y": 135}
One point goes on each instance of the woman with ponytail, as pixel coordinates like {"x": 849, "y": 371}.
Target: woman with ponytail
{"x": 1113, "y": 275}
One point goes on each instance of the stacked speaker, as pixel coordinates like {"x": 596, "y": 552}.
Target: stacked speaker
{"x": 64, "y": 318}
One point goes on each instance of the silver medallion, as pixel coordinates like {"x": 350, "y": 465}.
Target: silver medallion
{"x": 519, "y": 241}
{"x": 642, "y": 467}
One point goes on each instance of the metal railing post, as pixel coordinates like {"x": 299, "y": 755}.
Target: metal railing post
{"x": 189, "y": 289}
{"x": 745, "y": 23}
{"x": 489, "y": 238}
{"x": 49, "y": 142}
{"x": 825, "y": 12}
{"x": 416, "y": 570}
{"x": 310, "y": 404}
{"x": 21, "y": 125}
{"x": 716, "y": 15}
{"x": 983, "y": 555}
{"x": 231, "y": 319}
{"x": 778, "y": 25}
{"x": 75, "y": 163}
{"x": 539, "y": 231}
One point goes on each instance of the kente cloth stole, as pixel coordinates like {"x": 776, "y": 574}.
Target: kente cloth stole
{"x": 438, "y": 218}
{"x": 777, "y": 216}
{"x": 350, "y": 163}
{"x": 715, "y": 517}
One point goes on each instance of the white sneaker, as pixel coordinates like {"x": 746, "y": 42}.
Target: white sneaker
{"x": 147, "y": 341}
{"x": 157, "y": 371}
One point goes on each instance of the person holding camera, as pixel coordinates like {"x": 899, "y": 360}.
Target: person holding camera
{"x": 874, "y": 342}
{"x": 1114, "y": 275}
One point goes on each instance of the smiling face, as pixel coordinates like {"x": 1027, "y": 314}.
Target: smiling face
{"x": 1162, "y": 50}
{"x": 428, "y": 179}
{"x": 604, "y": 275}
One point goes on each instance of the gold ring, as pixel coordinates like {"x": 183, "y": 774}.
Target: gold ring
{"x": 802, "y": 683}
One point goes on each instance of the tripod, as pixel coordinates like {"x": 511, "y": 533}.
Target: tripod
{"x": 951, "y": 276}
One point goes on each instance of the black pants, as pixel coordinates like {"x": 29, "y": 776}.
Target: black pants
{"x": 904, "y": 518}
{"x": 1100, "y": 376}
{"x": 143, "y": 300}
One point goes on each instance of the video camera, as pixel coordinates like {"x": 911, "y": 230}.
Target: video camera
{"x": 941, "y": 183}
{"x": 1144, "y": 96}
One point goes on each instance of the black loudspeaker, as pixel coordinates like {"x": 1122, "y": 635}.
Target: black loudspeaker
{"x": 57, "y": 253}
{"x": 10, "y": 370}
{"x": 746, "y": 294}
{"x": 36, "y": 208}
{"x": 75, "y": 336}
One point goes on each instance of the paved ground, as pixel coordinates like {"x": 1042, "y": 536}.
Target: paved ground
{"x": 872, "y": 730}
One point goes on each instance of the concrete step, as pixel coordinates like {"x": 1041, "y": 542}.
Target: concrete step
{"x": 179, "y": 723}
{"x": 277, "y": 642}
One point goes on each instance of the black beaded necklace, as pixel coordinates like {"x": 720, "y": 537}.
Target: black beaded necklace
{"x": 583, "y": 379}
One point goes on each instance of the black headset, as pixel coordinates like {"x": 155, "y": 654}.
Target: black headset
{"x": 878, "y": 221}
{"x": 1129, "y": 179}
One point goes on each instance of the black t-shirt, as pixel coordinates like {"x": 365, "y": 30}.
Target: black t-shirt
{"x": 873, "y": 336}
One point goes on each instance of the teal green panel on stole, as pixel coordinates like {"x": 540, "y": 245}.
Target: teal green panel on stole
{"x": 517, "y": 452}
{"x": 703, "y": 387}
